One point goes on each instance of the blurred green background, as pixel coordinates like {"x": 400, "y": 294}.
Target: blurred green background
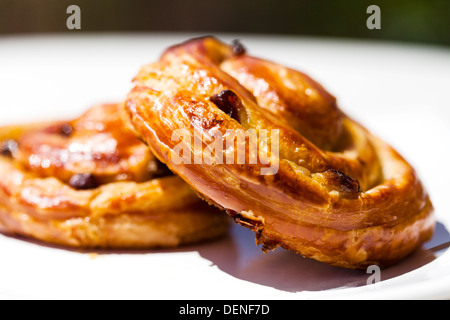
{"x": 419, "y": 21}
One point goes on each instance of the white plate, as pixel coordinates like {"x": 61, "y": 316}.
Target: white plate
{"x": 400, "y": 92}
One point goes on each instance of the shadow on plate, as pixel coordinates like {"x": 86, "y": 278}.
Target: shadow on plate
{"x": 288, "y": 271}
{"x": 238, "y": 256}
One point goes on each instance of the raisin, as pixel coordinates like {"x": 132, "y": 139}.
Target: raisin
{"x": 238, "y": 48}
{"x": 83, "y": 181}
{"x": 66, "y": 130}
{"x": 343, "y": 182}
{"x": 228, "y": 102}
{"x": 8, "y": 147}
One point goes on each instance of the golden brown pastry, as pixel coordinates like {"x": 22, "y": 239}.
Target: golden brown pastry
{"x": 90, "y": 183}
{"x": 339, "y": 195}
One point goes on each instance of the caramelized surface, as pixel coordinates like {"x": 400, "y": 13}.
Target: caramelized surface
{"x": 90, "y": 183}
{"x": 341, "y": 195}
{"x": 97, "y": 143}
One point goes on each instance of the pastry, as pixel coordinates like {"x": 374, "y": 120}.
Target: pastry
{"x": 91, "y": 183}
{"x": 336, "y": 192}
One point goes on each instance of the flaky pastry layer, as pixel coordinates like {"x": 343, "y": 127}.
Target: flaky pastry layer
{"x": 37, "y": 199}
{"x": 340, "y": 194}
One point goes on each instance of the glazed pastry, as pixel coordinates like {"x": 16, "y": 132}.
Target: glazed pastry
{"x": 91, "y": 183}
{"x": 336, "y": 193}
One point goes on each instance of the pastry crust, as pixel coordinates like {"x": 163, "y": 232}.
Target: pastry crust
{"x": 133, "y": 206}
{"x": 340, "y": 195}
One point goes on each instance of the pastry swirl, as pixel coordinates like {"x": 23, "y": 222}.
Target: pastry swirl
{"x": 340, "y": 195}
{"x": 91, "y": 183}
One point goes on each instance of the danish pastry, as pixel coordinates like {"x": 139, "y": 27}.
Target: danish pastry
{"x": 338, "y": 194}
{"x": 91, "y": 183}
